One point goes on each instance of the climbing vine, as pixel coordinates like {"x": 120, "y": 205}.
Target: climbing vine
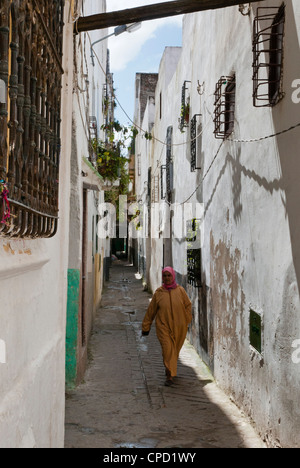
{"x": 112, "y": 164}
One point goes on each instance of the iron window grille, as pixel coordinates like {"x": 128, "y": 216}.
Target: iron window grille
{"x": 163, "y": 182}
{"x": 194, "y": 277}
{"x": 149, "y": 184}
{"x": 195, "y": 125}
{"x": 155, "y": 189}
{"x": 31, "y": 33}
{"x": 194, "y": 267}
{"x": 224, "y": 107}
{"x": 139, "y": 165}
{"x": 169, "y": 164}
{"x": 93, "y": 127}
{"x": 268, "y": 51}
{"x": 185, "y": 108}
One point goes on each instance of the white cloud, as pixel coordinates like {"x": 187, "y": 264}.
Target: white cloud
{"x": 126, "y": 48}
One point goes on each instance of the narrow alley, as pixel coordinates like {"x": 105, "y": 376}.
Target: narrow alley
{"x": 167, "y": 131}
{"x": 123, "y": 402}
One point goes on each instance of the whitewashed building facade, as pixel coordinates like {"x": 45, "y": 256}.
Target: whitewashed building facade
{"x": 41, "y": 90}
{"x": 87, "y": 252}
{"x": 224, "y": 157}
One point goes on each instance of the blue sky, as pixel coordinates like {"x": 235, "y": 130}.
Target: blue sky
{"x": 139, "y": 52}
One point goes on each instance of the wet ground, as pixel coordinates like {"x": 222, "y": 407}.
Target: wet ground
{"x": 123, "y": 401}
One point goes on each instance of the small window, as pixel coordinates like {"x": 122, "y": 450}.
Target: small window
{"x": 256, "y": 331}
{"x": 169, "y": 163}
{"x": 163, "y": 182}
{"x": 196, "y": 141}
{"x": 139, "y": 165}
{"x": 160, "y": 106}
{"x": 194, "y": 267}
{"x": 149, "y": 182}
{"x": 268, "y": 47}
{"x": 224, "y": 107}
{"x": 194, "y": 277}
{"x": 155, "y": 189}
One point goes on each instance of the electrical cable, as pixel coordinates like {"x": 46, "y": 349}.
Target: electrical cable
{"x": 126, "y": 114}
{"x": 188, "y": 142}
{"x": 265, "y": 137}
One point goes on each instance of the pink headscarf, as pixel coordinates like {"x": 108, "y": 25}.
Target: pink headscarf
{"x": 174, "y": 284}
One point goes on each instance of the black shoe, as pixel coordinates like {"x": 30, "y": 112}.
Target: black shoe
{"x": 169, "y": 383}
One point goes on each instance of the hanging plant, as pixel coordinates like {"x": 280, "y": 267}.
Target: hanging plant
{"x": 112, "y": 165}
{"x": 184, "y": 116}
{"x": 110, "y": 162}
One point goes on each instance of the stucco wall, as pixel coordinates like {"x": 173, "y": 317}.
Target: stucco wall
{"x": 33, "y": 280}
{"x": 250, "y": 193}
{"x": 250, "y": 232}
{"x": 86, "y": 252}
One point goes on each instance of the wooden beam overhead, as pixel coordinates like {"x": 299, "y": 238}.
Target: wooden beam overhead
{"x": 151, "y": 12}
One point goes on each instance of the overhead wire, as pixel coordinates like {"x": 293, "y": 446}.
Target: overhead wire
{"x": 190, "y": 140}
{"x": 234, "y": 140}
{"x": 252, "y": 140}
{"x": 126, "y": 114}
{"x": 293, "y": 127}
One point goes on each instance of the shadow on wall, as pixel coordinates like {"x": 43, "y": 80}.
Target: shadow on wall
{"x": 238, "y": 170}
{"x": 286, "y": 114}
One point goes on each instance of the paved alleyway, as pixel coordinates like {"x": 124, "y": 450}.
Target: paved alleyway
{"x": 123, "y": 401}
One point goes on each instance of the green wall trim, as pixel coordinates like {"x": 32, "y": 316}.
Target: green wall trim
{"x": 72, "y": 326}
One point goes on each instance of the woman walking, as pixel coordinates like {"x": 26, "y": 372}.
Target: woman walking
{"x": 171, "y": 308}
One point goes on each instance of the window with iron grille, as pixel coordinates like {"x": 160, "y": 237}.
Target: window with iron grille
{"x": 194, "y": 267}
{"x": 256, "y": 330}
{"x": 268, "y": 47}
{"x": 149, "y": 185}
{"x": 196, "y": 124}
{"x": 193, "y": 253}
{"x": 155, "y": 189}
{"x": 169, "y": 164}
{"x": 224, "y": 107}
{"x": 31, "y": 34}
{"x": 139, "y": 165}
{"x": 163, "y": 182}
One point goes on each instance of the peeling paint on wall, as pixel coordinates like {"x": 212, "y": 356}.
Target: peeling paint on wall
{"x": 228, "y": 303}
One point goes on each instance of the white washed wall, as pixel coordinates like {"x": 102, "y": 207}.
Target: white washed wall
{"x": 250, "y": 253}
{"x": 33, "y": 280}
